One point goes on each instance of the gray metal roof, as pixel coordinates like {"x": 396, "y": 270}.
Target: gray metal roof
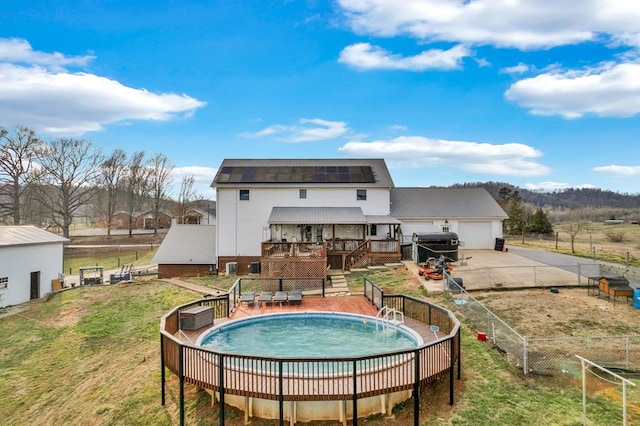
{"x": 316, "y": 215}
{"x": 188, "y": 244}
{"x": 27, "y": 234}
{"x": 381, "y": 175}
{"x": 451, "y": 203}
{"x": 385, "y": 220}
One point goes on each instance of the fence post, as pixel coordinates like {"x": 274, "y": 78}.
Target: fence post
{"x": 525, "y": 355}
{"x": 162, "y": 377}
{"x": 181, "y": 374}
{"x": 221, "y": 387}
{"x": 626, "y": 351}
{"x": 579, "y": 274}
{"x": 355, "y": 393}
{"x": 281, "y": 394}
{"x": 416, "y": 390}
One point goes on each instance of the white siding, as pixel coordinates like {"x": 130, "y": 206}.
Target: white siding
{"x": 17, "y": 263}
{"x": 243, "y": 225}
{"x": 479, "y": 234}
{"x": 409, "y": 227}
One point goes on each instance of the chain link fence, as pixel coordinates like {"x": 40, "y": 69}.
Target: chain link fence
{"x": 550, "y": 355}
{"x": 543, "y": 355}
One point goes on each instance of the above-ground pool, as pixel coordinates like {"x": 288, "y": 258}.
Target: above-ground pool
{"x": 309, "y": 335}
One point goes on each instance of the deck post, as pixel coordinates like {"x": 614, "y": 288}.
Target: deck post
{"x": 459, "y": 354}
{"x": 355, "y": 394}
{"x": 279, "y": 284}
{"x": 280, "y": 390}
{"x": 452, "y": 360}
{"x": 416, "y": 390}
{"x": 162, "y": 377}
{"x": 181, "y": 374}
{"x": 221, "y": 386}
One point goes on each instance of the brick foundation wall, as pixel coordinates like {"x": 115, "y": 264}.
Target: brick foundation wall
{"x": 243, "y": 263}
{"x": 176, "y": 271}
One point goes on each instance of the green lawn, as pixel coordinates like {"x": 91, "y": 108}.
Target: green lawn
{"x": 90, "y": 355}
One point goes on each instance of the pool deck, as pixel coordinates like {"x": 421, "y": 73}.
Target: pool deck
{"x": 355, "y": 304}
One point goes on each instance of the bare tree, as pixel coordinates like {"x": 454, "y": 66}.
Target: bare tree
{"x": 112, "y": 174}
{"x": 187, "y": 198}
{"x": 16, "y": 161}
{"x": 66, "y": 177}
{"x": 160, "y": 169}
{"x": 573, "y": 228}
{"x": 136, "y": 186}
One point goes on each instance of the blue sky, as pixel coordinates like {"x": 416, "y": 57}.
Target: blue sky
{"x": 540, "y": 94}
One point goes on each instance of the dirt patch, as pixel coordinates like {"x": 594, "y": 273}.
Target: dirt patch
{"x": 570, "y": 312}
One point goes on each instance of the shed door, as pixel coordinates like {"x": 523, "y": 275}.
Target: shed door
{"x": 475, "y": 235}
{"x": 35, "y": 285}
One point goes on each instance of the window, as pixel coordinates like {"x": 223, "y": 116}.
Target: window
{"x": 446, "y": 228}
{"x": 303, "y": 193}
{"x": 4, "y": 282}
{"x": 244, "y": 195}
{"x": 373, "y": 230}
{"x": 361, "y": 194}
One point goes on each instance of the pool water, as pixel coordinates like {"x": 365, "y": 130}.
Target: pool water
{"x": 309, "y": 335}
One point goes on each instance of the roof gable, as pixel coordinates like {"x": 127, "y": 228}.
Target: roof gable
{"x": 253, "y": 172}
{"x": 188, "y": 244}
{"x": 316, "y": 215}
{"x": 27, "y": 234}
{"x": 444, "y": 203}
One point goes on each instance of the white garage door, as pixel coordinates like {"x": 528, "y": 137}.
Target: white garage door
{"x": 475, "y": 235}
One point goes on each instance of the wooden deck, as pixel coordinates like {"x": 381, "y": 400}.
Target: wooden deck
{"x": 348, "y": 304}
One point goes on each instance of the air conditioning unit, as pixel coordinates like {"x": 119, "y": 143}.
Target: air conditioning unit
{"x": 232, "y": 268}
{"x": 254, "y": 267}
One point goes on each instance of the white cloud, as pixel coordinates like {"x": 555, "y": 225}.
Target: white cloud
{"x": 611, "y": 90}
{"x": 516, "y": 69}
{"x": 203, "y": 177}
{"x": 512, "y": 159}
{"x": 364, "y": 56}
{"x": 398, "y": 127}
{"x": 308, "y": 130}
{"x": 523, "y": 24}
{"x": 619, "y": 171}
{"x": 554, "y": 186}
{"x": 14, "y": 50}
{"x": 36, "y": 91}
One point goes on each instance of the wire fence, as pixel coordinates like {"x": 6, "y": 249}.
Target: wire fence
{"x": 542, "y": 355}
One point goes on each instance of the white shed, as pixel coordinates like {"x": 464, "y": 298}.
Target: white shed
{"x": 30, "y": 258}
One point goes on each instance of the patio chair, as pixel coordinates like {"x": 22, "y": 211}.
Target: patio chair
{"x": 280, "y": 297}
{"x": 247, "y": 298}
{"x": 294, "y": 296}
{"x": 265, "y": 297}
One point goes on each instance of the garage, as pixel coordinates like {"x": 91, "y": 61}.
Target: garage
{"x": 475, "y": 235}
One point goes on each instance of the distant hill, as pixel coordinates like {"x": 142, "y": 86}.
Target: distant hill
{"x": 567, "y": 198}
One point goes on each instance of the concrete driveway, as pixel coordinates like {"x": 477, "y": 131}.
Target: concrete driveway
{"x": 515, "y": 268}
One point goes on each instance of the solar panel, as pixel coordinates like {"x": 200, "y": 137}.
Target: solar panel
{"x": 296, "y": 174}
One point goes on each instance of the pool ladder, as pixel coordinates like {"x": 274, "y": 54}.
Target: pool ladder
{"x": 388, "y": 317}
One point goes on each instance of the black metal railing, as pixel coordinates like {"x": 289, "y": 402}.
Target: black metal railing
{"x": 293, "y": 379}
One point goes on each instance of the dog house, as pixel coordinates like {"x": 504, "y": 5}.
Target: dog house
{"x": 435, "y": 244}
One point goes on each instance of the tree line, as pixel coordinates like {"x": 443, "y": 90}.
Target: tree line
{"x": 48, "y": 182}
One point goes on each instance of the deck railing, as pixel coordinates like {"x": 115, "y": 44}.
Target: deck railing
{"x": 293, "y": 249}
{"x": 293, "y": 379}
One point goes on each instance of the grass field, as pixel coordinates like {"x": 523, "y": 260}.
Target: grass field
{"x": 90, "y": 356}
{"x": 595, "y": 239}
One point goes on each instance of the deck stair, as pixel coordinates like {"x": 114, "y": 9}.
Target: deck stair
{"x": 338, "y": 281}
{"x": 388, "y": 318}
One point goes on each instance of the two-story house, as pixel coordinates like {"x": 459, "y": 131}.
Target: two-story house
{"x": 298, "y": 216}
